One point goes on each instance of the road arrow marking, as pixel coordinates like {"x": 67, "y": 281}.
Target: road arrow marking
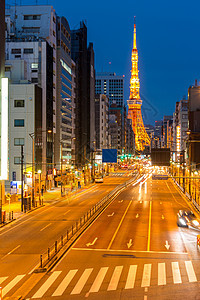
{"x": 129, "y": 244}
{"x": 163, "y": 217}
{"x": 91, "y": 244}
{"x": 111, "y": 215}
{"x": 167, "y": 245}
{"x": 137, "y": 216}
{"x": 120, "y": 201}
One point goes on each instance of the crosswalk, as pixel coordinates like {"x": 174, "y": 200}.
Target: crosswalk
{"x": 75, "y": 281}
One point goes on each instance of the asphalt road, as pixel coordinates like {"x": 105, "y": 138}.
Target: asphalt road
{"x": 24, "y": 240}
{"x": 134, "y": 250}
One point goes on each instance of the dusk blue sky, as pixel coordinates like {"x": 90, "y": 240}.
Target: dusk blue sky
{"x": 168, "y": 42}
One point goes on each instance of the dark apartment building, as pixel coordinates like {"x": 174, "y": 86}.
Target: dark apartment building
{"x": 83, "y": 57}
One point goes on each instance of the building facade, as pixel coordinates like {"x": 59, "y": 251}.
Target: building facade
{"x": 101, "y": 122}
{"x": 83, "y": 57}
{"x": 110, "y": 85}
{"x": 31, "y": 36}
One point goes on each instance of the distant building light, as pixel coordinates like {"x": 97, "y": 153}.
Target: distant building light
{"x": 65, "y": 66}
{"x": 34, "y": 66}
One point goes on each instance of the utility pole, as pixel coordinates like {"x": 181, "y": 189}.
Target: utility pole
{"x": 61, "y": 184}
{"x": 22, "y": 177}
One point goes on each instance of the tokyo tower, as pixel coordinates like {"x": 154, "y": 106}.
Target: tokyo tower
{"x": 134, "y": 103}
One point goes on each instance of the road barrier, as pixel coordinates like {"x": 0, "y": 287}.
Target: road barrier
{"x": 50, "y": 257}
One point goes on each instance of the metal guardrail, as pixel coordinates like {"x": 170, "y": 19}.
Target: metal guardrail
{"x": 50, "y": 256}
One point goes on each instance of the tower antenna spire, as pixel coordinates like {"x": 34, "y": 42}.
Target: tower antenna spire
{"x": 134, "y": 34}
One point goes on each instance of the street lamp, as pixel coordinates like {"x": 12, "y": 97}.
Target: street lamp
{"x": 39, "y": 173}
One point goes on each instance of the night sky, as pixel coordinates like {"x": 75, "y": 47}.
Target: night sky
{"x": 168, "y": 42}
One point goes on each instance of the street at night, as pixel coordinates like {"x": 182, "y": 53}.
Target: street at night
{"x": 133, "y": 250}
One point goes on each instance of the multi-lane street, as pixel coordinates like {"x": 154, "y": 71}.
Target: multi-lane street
{"x": 133, "y": 250}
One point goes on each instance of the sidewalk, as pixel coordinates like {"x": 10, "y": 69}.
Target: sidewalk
{"x": 13, "y": 210}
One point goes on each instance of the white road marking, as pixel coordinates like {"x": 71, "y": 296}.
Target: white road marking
{"x": 45, "y": 226}
{"x": 91, "y": 244}
{"x": 161, "y": 274}
{"x": 176, "y": 272}
{"x": 82, "y": 281}
{"x": 146, "y": 275}
{"x": 111, "y": 215}
{"x": 11, "y": 284}
{"x": 98, "y": 280}
{"x": 2, "y": 279}
{"x": 64, "y": 284}
{"x": 11, "y": 252}
{"x": 115, "y": 278}
{"x": 67, "y": 212}
{"x": 129, "y": 244}
{"x": 167, "y": 245}
{"x": 42, "y": 290}
{"x": 131, "y": 277}
{"x": 190, "y": 271}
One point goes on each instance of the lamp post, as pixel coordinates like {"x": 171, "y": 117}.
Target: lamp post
{"x": 61, "y": 184}
{"x": 39, "y": 173}
{"x": 32, "y": 135}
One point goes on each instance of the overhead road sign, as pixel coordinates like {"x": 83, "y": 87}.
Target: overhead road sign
{"x": 109, "y": 155}
{"x": 160, "y": 157}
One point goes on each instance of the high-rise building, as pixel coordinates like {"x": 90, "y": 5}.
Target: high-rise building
{"x": 111, "y": 85}
{"x": 179, "y": 129}
{"x": 31, "y": 36}
{"x": 101, "y": 121}
{"x": 25, "y": 121}
{"x": 65, "y": 99}
{"x": 117, "y": 128}
{"x": 83, "y": 57}
{"x": 194, "y": 125}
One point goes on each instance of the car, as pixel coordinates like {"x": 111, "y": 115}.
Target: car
{"x": 186, "y": 218}
{"x": 98, "y": 179}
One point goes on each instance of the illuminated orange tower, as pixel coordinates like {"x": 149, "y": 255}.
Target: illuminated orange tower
{"x": 134, "y": 103}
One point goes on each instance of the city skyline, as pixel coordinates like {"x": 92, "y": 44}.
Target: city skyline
{"x": 166, "y": 69}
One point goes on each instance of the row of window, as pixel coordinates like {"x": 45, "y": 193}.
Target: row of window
{"x": 32, "y": 17}
{"x": 18, "y": 50}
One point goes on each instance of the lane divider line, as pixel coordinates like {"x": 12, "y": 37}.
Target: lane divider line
{"x": 120, "y": 223}
{"x": 149, "y": 231}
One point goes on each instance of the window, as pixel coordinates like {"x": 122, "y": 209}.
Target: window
{"x": 31, "y": 29}
{"x": 19, "y": 142}
{"x": 19, "y": 123}
{"x": 34, "y": 80}
{"x": 18, "y": 103}
{"x": 28, "y": 50}
{"x": 34, "y": 66}
{"x": 17, "y": 160}
{"x": 16, "y": 51}
{"x": 32, "y": 17}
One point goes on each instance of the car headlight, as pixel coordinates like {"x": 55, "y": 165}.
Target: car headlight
{"x": 183, "y": 222}
{"x": 195, "y": 223}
